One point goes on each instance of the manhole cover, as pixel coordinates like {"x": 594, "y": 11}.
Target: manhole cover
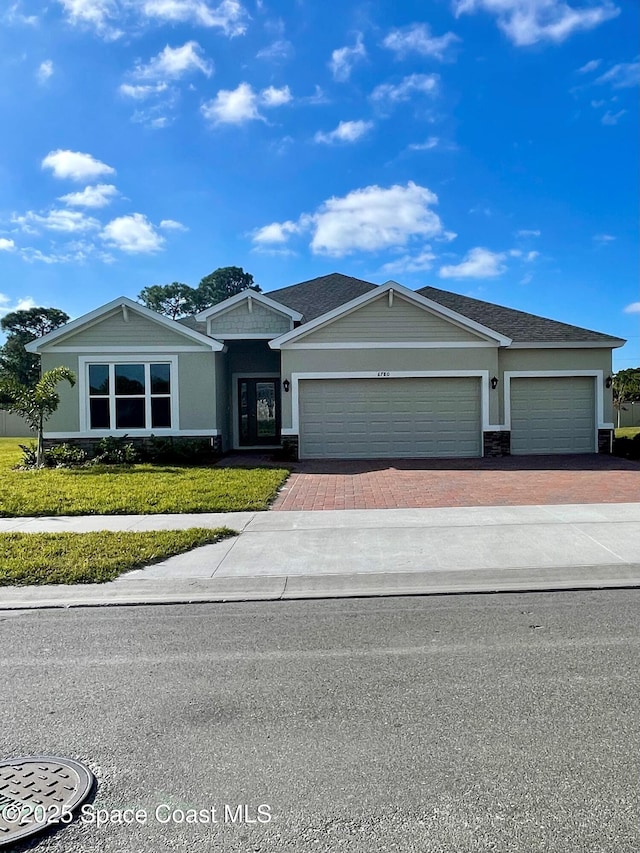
{"x": 37, "y": 792}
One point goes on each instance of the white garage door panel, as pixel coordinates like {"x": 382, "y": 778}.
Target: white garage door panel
{"x": 369, "y": 418}
{"x": 553, "y": 415}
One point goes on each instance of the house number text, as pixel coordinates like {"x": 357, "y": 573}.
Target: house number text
{"x": 384, "y": 373}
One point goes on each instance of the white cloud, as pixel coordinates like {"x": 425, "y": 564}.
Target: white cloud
{"x": 175, "y": 62}
{"x": 411, "y": 263}
{"x": 603, "y": 239}
{"x": 99, "y": 195}
{"x": 133, "y": 234}
{"x": 622, "y": 76}
{"x": 139, "y": 93}
{"x": 276, "y": 232}
{"x": 233, "y": 106}
{"x": 528, "y": 232}
{"x": 344, "y": 58}
{"x": 531, "y": 256}
{"x": 75, "y": 165}
{"x": 230, "y": 16}
{"x": 6, "y": 245}
{"x": 14, "y": 15}
{"x": 44, "y": 72}
{"x": 417, "y": 38}
{"x": 428, "y": 145}
{"x": 346, "y": 131}
{"x": 590, "y": 66}
{"x": 527, "y": 22}
{"x": 610, "y": 118}
{"x": 477, "y": 263}
{"x": 62, "y": 221}
{"x": 8, "y": 305}
{"x": 365, "y": 220}
{"x": 272, "y": 97}
{"x": 241, "y": 104}
{"x": 633, "y": 308}
{"x": 111, "y": 18}
{"x": 172, "y": 225}
{"x": 97, "y": 14}
{"x": 277, "y": 51}
{"x": 426, "y": 84}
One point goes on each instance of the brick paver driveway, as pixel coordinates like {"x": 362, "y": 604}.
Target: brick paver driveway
{"x": 510, "y": 481}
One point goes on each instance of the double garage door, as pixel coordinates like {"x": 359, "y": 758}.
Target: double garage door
{"x": 387, "y": 418}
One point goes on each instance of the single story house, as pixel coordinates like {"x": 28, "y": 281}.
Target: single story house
{"x": 337, "y": 367}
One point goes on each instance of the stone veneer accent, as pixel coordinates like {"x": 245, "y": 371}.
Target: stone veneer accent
{"x": 89, "y": 445}
{"x": 496, "y": 443}
{"x": 604, "y": 440}
{"x": 290, "y": 447}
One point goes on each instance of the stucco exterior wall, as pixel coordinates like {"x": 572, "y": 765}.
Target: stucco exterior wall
{"x": 355, "y": 360}
{"x": 559, "y": 359}
{"x": 196, "y": 390}
{"x": 67, "y": 417}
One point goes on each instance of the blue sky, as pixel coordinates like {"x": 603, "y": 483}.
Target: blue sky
{"x": 483, "y": 146}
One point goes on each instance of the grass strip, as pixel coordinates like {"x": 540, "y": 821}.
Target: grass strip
{"x": 69, "y": 558}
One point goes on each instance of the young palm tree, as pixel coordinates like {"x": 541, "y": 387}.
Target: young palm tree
{"x": 36, "y": 404}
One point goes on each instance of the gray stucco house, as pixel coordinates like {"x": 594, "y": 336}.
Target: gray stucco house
{"x": 337, "y": 367}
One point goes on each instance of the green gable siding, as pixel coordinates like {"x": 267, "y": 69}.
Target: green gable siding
{"x": 115, "y": 331}
{"x": 401, "y": 322}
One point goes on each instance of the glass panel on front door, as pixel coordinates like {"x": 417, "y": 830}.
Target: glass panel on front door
{"x": 258, "y": 411}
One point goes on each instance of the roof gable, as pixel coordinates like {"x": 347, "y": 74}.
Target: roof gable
{"x": 249, "y": 297}
{"x": 354, "y": 322}
{"x": 120, "y": 310}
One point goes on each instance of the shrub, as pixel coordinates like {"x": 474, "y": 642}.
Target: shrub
{"x": 60, "y": 456}
{"x": 627, "y": 448}
{"x": 183, "y": 451}
{"x": 115, "y": 451}
{"x": 64, "y": 456}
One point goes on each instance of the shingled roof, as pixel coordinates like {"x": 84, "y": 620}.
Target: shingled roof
{"x": 319, "y": 295}
{"x": 520, "y": 326}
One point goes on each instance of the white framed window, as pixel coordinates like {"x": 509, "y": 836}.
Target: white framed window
{"x": 130, "y": 395}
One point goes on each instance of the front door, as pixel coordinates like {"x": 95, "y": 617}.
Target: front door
{"x": 258, "y": 412}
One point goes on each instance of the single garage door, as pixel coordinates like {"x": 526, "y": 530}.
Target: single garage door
{"x": 553, "y": 415}
{"x": 378, "y": 418}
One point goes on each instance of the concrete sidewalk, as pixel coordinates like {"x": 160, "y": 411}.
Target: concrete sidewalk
{"x": 363, "y": 552}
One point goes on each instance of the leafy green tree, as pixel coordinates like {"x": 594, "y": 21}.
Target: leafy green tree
{"x": 221, "y": 284}
{"x": 36, "y": 403}
{"x": 173, "y": 300}
{"x": 626, "y": 389}
{"x": 22, "y": 327}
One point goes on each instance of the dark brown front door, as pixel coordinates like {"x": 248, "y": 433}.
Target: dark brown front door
{"x": 258, "y": 411}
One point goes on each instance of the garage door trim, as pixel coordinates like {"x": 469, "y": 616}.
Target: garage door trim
{"x": 598, "y": 375}
{"x": 483, "y": 375}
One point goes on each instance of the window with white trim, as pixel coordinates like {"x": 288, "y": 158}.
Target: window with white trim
{"x": 130, "y": 396}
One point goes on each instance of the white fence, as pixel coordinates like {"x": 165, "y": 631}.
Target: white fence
{"x": 12, "y": 425}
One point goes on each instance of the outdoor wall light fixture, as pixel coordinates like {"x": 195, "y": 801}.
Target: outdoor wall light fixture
{"x": 608, "y": 382}
{"x": 286, "y": 385}
{"x": 494, "y": 382}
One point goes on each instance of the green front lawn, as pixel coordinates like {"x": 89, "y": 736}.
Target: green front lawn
{"x": 44, "y": 558}
{"x": 134, "y": 489}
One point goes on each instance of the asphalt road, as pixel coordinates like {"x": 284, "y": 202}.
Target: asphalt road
{"x": 449, "y": 724}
